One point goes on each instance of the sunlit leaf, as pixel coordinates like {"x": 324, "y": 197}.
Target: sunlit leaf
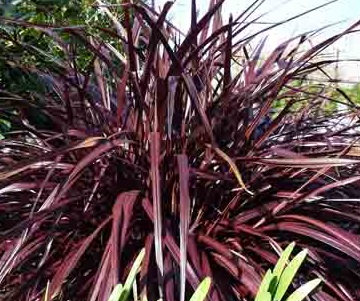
{"x": 116, "y": 293}
{"x": 279, "y": 267}
{"x": 263, "y": 291}
{"x": 303, "y": 291}
{"x": 288, "y": 275}
{"x": 202, "y": 290}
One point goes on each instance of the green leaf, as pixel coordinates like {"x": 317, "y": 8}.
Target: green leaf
{"x": 131, "y": 277}
{"x": 266, "y": 297}
{"x": 279, "y": 267}
{"x": 264, "y": 287}
{"x": 47, "y": 292}
{"x": 288, "y": 275}
{"x": 116, "y": 293}
{"x": 303, "y": 291}
{"x": 202, "y": 290}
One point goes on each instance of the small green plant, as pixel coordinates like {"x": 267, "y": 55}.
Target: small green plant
{"x": 273, "y": 287}
{"x": 277, "y": 281}
{"x": 121, "y": 292}
{"x": 202, "y": 290}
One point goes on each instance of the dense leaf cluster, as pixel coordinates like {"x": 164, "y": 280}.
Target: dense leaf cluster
{"x": 154, "y": 141}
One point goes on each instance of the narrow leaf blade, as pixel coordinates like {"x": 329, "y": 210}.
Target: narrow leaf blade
{"x": 116, "y": 293}
{"x": 289, "y": 274}
{"x": 303, "y": 291}
{"x": 280, "y": 265}
{"x": 202, "y": 290}
{"x": 132, "y": 275}
{"x": 264, "y": 286}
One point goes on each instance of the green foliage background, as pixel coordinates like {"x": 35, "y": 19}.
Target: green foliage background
{"x": 41, "y": 48}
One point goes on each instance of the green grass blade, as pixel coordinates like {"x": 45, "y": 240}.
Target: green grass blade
{"x": 279, "y": 267}
{"x": 303, "y": 291}
{"x": 116, "y": 293}
{"x": 202, "y": 290}
{"x": 132, "y": 275}
{"x": 266, "y": 297}
{"x": 264, "y": 287}
{"x": 288, "y": 275}
{"x": 47, "y": 292}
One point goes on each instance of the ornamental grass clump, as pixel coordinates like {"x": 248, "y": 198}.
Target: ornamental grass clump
{"x": 169, "y": 142}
